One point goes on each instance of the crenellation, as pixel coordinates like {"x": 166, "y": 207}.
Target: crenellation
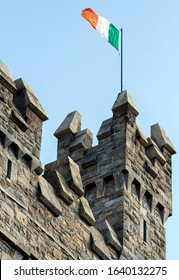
{"x": 70, "y": 125}
{"x": 48, "y": 197}
{"x": 98, "y": 244}
{"x": 25, "y": 99}
{"x": 83, "y": 139}
{"x": 105, "y": 130}
{"x": 159, "y": 135}
{"x": 153, "y": 152}
{"x": 85, "y": 212}
{"x": 110, "y": 201}
{"x": 141, "y": 137}
{"x": 60, "y": 186}
{"x": 7, "y": 83}
{"x": 112, "y": 238}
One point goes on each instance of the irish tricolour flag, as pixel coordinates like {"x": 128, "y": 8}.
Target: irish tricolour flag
{"x": 103, "y": 26}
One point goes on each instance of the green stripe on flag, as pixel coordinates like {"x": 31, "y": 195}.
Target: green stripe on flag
{"x": 113, "y": 36}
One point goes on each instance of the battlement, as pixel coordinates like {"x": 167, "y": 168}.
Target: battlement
{"x": 108, "y": 201}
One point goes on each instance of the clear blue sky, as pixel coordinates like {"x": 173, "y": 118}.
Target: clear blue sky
{"x": 70, "y": 67}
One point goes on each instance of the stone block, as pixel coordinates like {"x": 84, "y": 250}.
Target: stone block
{"x": 75, "y": 182}
{"x": 17, "y": 119}
{"x": 38, "y": 169}
{"x": 35, "y": 164}
{"x": 159, "y": 135}
{"x": 72, "y": 123}
{"x": 35, "y": 255}
{"x": 85, "y": 212}
{"x": 153, "y": 152}
{"x": 82, "y": 139}
{"x": 111, "y": 237}
{"x": 23, "y": 248}
{"x": 5, "y": 70}
{"x": 141, "y": 137}
{"x": 57, "y": 253}
{"x": 6, "y": 78}
{"x": 113, "y": 203}
{"x": 7, "y": 209}
{"x": 4, "y": 256}
{"x": 47, "y": 196}
{"x": 150, "y": 169}
{"x": 64, "y": 191}
{"x": 124, "y": 100}
{"x": 29, "y": 99}
{"x": 18, "y": 255}
{"x": 7, "y": 236}
{"x": 59, "y": 184}
{"x": 98, "y": 244}
{"x": 105, "y": 129}
{"x": 21, "y": 218}
{"x": 89, "y": 160}
{"x": 121, "y": 180}
{"x": 50, "y": 166}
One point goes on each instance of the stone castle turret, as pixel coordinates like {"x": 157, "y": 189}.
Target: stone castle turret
{"x": 110, "y": 201}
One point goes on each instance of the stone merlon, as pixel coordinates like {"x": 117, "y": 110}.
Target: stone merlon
{"x": 72, "y": 123}
{"x": 23, "y": 94}
{"x": 6, "y": 78}
{"x": 159, "y": 135}
{"x": 125, "y": 100}
{"x": 29, "y": 99}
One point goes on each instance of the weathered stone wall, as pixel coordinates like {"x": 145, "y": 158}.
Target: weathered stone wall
{"x": 109, "y": 201}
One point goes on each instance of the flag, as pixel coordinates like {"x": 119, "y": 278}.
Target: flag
{"x": 106, "y": 29}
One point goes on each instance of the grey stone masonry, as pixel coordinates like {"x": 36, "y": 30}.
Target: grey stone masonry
{"x": 48, "y": 197}
{"x": 108, "y": 201}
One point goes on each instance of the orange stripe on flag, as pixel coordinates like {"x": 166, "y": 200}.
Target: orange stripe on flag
{"x": 91, "y": 16}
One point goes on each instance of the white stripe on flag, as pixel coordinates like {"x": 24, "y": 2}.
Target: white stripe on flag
{"x": 103, "y": 27}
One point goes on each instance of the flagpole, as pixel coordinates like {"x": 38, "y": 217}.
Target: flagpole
{"x": 121, "y": 59}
